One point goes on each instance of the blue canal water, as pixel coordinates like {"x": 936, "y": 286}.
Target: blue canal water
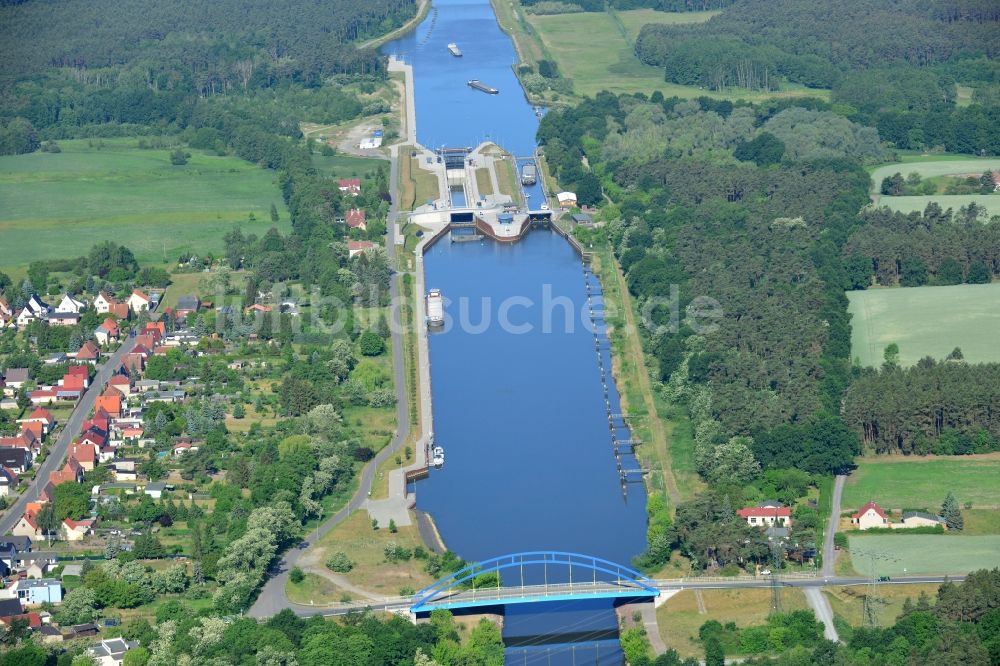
{"x": 520, "y": 409}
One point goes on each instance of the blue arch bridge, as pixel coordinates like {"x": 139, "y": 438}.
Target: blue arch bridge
{"x": 563, "y": 576}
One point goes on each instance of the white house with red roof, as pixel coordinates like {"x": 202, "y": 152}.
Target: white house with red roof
{"x": 357, "y": 247}
{"x": 70, "y": 304}
{"x": 870, "y": 516}
{"x": 122, "y": 384}
{"x": 351, "y": 186}
{"x": 356, "y": 219}
{"x": 103, "y": 302}
{"x": 138, "y": 301}
{"x": 40, "y": 416}
{"x": 8, "y": 480}
{"x": 75, "y": 530}
{"x": 769, "y": 514}
{"x": 107, "y": 332}
{"x": 89, "y": 353}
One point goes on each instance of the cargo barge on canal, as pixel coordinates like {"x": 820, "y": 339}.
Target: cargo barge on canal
{"x": 454, "y": 50}
{"x": 482, "y": 87}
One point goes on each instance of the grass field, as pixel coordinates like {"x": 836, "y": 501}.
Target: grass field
{"x": 416, "y": 186}
{"x": 57, "y": 205}
{"x": 347, "y": 166}
{"x": 365, "y": 547}
{"x": 922, "y": 482}
{"x": 848, "y": 603}
{"x": 925, "y": 553}
{"x": 679, "y": 616}
{"x": 596, "y": 51}
{"x": 933, "y": 165}
{"x": 966, "y": 316}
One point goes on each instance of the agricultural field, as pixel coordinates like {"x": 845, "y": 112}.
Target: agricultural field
{"x": 965, "y": 316}
{"x": 56, "y": 204}
{"x": 924, "y": 553}
{"x": 605, "y": 59}
{"x": 922, "y": 482}
{"x": 680, "y": 616}
{"x": 931, "y": 166}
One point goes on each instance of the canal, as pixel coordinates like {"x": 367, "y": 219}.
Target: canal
{"x": 518, "y": 399}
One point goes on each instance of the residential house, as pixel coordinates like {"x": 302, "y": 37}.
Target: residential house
{"x": 110, "y": 401}
{"x": 122, "y": 384}
{"x": 767, "y": 516}
{"x": 155, "y": 489}
{"x": 85, "y": 454}
{"x": 119, "y": 310}
{"x": 186, "y": 305}
{"x": 42, "y": 416}
{"x": 89, "y": 353}
{"x": 80, "y": 372}
{"x": 351, "y": 186}
{"x": 10, "y": 608}
{"x": 33, "y": 592}
{"x": 257, "y": 307}
{"x": 913, "y": 519}
{"x": 70, "y": 304}
{"x": 8, "y": 481}
{"x": 135, "y": 360}
{"x": 17, "y": 460}
{"x": 869, "y": 516}
{"x": 138, "y": 301}
{"x": 180, "y": 448}
{"x": 107, "y": 332}
{"x": 6, "y": 312}
{"x": 125, "y": 469}
{"x": 64, "y": 319}
{"x": 357, "y": 247}
{"x": 45, "y": 396}
{"x": 356, "y": 219}
{"x": 39, "y": 308}
{"x": 27, "y": 525}
{"x": 72, "y": 471}
{"x": 25, "y": 317}
{"x": 566, "y": 199}
{"x": 76, "y": 530}
{"x": 14, "y": 379}
{"x": 103, "y": 302}
{"x": 583, "y": 219}
{"x": 111, "y": 651}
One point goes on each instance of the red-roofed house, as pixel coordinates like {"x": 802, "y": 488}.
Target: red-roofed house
{"x": 767, "y": 516}
{"x": 257, "y": 307}
{"x": 35, "y": 428}
{"x": 107, "y": 332}
{"x": 103, "y": 302}
{"x": 869, "y": 516}
{"x": 85, "y": 454}
{"x": 89, "y": 353}
{"x": 119, "y": 310}
{"x": 350, "y": 186}
{"x": 75, "y": 530}
{"x": 356, "y": 219}
{"x": 27, "y": 526}
{"x": 26, "y": 439}
{"x": 42, "y": 416}
{"x": 71, "y": 471}
{"x": 357, "y": 247}
{"x": 146, "y": 340}
{"x": 122, "y": 384}
{"x": 110, "y": 401}
{"x": 43, "y": 396}
{"x": 138, "y": 301}
{"x": 73, "y": 383}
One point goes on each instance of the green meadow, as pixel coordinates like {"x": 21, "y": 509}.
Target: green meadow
{"x": 922, "y": 482}
{"x": 899, "y": 554}
{"x": 597, "y": 51}
{"x": 926, "y": 321}
{"x": 59, "y": 204}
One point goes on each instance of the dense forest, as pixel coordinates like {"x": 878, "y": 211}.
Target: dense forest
{"x": 750, "y": 213}
{"x": 902, "y": 80}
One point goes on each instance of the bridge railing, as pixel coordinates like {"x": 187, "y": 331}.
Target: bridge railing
{"x": 797, "y": 575}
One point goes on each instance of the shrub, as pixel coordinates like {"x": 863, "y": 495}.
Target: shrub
{"x": 339, "y": 562}
{"x": 371, "y": 343}
{"x": 296, "y": 575}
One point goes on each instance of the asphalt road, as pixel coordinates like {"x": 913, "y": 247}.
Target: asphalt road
{"x": 72, "y": 427}
{"x": 272, "y": 597}
{"x": 829, "y": 552}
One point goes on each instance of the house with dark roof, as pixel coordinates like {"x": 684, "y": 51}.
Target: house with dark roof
{"x": 111, "y": 651}
{"x": 16, "y": 459}
{"x": 913, "y": 519}
{"x": 187, "y": 305}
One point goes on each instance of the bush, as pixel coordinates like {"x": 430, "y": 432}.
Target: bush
{"x": 395, "y": 553}
{"x": 371, "y": 343}
{"x": 296, "y": 575}
{"x": 339, "y": 562}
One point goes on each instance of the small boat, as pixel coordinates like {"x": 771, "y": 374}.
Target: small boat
{"x": 453, "y": 49}
{"x": 437, "y": 457}
{"x": 476, "y": 84}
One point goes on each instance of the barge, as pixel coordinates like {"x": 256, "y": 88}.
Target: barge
{"x": 528, "y": 176}
{"x": 453, "y": 49}
{"x": 435, "y": 308}
{"x": 476, "y": 84}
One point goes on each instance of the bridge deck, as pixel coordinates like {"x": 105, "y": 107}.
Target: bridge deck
{"x": 533, "y": 594}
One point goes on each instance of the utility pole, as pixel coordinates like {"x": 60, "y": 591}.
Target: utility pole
{"x": 872, "y": 598}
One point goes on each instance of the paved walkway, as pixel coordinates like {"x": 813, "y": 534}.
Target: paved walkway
{"x": 821, "y": 607}
{"x": 829, "y": 550}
